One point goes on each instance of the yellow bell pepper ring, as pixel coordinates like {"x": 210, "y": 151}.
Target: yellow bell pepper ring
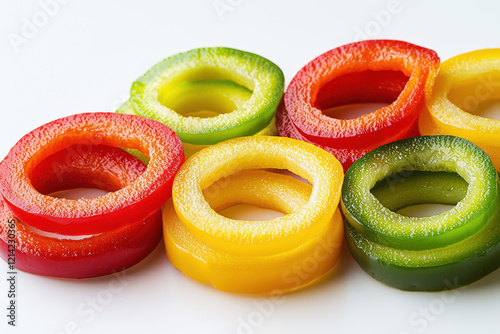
{"x": 202, "y": 188}
{"x": 464, "y": 82}
{"x": 315, "y": 165}
{"x": 254, "y": 274}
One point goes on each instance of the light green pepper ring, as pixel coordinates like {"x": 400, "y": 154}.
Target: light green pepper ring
{"x": 451, "y": 249}
{"x": 260, "y": 76}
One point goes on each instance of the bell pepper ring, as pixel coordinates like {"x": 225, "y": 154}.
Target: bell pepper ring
{"x": 463, "y": 82}
{"x": 448, "y": 250}
{"x": 387, "y": 71}
{"x": 89, "y": 216}
{"x": 150, "y": 94}
{"x": 256, "y": 254}
{"x": 202, "y": 99}
{"x": 103, "y": 167}
{"x": 254, "y": 274}
{"x": 252, "y": 238}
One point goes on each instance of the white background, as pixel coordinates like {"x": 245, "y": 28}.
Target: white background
{"x": 85, "y": 58}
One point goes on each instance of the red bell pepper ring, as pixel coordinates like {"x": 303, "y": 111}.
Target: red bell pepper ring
{"x": 395, "y": 72}
{"x": 121, "y": 208}
{"x": 105, "y": 167}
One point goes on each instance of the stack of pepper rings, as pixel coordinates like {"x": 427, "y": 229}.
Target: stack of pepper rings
{"x": 386, "y": 71}
{"x": 93, "y": 236}
{"x": 255, "y": 256}
{"x": 195, "y": 104}
{"x": 209, "y": 95}
{"x": 449, "y": 250}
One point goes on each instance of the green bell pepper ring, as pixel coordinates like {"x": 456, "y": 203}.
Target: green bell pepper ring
{"x": 201, "y": 99}
{"x": 260, "y": 76}
{"x": 448, "y": 250}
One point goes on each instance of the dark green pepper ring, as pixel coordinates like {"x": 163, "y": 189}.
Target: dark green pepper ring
{"x": 452, "y": 249}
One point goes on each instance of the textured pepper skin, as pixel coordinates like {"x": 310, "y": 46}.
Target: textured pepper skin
{"x": 449, "y": 250}
{"x": 103, "y": 167}
{"x": 117, "y": 209}
{"x": 235, "y": 73}
{"x": 395, "y": 72}
{"x": 199, "y": 99}
{"x": 463, "y": 82}
{"x": 254, "y": 256}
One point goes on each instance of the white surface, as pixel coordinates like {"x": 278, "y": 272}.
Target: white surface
{"x": 85, "y": 58}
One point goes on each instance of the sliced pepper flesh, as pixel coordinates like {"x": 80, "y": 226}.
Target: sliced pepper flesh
{"x": 389, "y": 71}
{"x": 424, "y": 253}
{"x": 103, "y": 167}
{"x": 199, "y": 239}
{"x": 204, "y": 98}
{"x": 254, "y": 274}
{"x": 249, "y": 237}
{"x": 88, "y": 216}
{"x": 463, "y": 82}
{"x": 154, "y": 94}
